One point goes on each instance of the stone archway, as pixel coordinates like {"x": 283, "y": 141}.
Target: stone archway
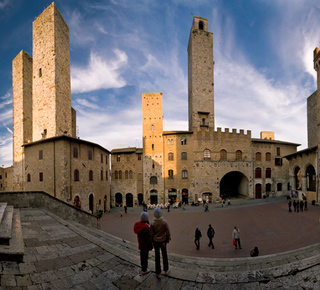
{"x": 234, "y": 184}
{"x": 311, "y": 178}
{"x": 129, "y": 200}
{"x": 118, "y": 199}
{"x": 91, "y": 202}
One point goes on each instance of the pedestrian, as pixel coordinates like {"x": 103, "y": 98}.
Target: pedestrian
{"x": 125, "y": 209}
{"x": 236, "y": 237}
{"x": 197, "y": 236}
{"x": 223, "y": 203}
{"x": 254, "y": 252}
{"x": 301, "y": 205}
{"x": 305, "y": 205}
{"x": 206, "y": 208}
{"x": 229, "y": 202}
{"x": 160, "y": 236}
{"x": 210, "y": 234}
{"x": 294, "y": 205}
{"x": 169, "y": 207}
{"x": 142, "y": 229}
{"x": 289, "y": 205}
{"x": 121, "y": 212}
{"x": 184, "y": 206}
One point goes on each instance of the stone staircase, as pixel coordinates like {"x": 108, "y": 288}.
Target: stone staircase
{"x": 11, "y": 240}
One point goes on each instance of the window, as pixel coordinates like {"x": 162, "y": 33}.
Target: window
{"x": 101, "y": 158}
{"x": 118, "y": 158}
{"x": 106, "y": 159}
{"x": 223, "y": 155}
{"x": 130, "y": 174}
{"x": 238, "y": 155}
{"x": 170, "y": 174}
{"x": 101, "y": 174}
{"x": 268, "y": 187}
{"x": 152, "y": 127}
{"x": 206, "y": 154}
{"x": 28, "y": 177}
{"x": 40, "y": 154}
{"x": 120, "y": 174}
{"x": 116, "y": 175}
{"x": 183, "y": 141}
{"x": 0, "y": 176}
{"x": 279, "y": 186}
{"x": 126, "y": 174}
{"x": 170, "y": 141}
{"x": 139, "y": 156}
{"x": 257, "y": 172}
{"x": 184, "y": 174}
{"x": 40, "y": 72}
{"x": 90, "y": 154}
{"x": 278, "y": 161}
{"x": 278, "y": 151}
{"x": 90, "y": 175}
{"x": 258, "y": 156}
{"x": 41, "y": 176}
{"x": 170, "y": 156}
{"x": 153, "y": 165}
{"x": 183, "y": 156}
{"x": 107, "y": 175}
{"x": 153, "y": 180}
{"x": 76, "y": 175}
{"x": 268, "y": 156}
{"x": 75, "y": 152}
{"x": 152, "y": 146}
{"x": 201, "y": 25}
{"x": 268, "y": 173}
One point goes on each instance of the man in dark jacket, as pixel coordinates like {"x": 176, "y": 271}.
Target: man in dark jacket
{"x": 210, "y": 234}
{"x": 197, "y": 236}
{"x": 142, "y": 230}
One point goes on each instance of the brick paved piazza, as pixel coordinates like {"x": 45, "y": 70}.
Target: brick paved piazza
{"x": 266, "y": 224}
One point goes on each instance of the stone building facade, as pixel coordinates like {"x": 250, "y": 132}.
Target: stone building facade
{"x": 47, "y": 155}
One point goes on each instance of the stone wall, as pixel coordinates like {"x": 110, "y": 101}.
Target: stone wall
{"x": 312, "y": 119}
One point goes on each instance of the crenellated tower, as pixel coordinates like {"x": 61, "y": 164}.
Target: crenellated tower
{"x": 200, "y": 76}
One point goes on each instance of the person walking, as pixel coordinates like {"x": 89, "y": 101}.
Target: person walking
{"x": 125, "y": 209}
{"x": 160, "y": 236}
{"x": 197, "y": 236}
{"x": 206, "y": 207}
{"x": 305, "y": 205}
{"x": 289, "y": 205}
{"x": 236, "y": 237}
{"x": 210, "y": 234}
{"x": 142, "y": 229}
{"x": 297, "y": 206}
{"x": 294, "y": 205}
{"x": 301, "y": 205}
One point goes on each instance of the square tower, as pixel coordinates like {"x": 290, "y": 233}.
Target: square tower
{"x": 51, "y": 75}
{"x": 200, "y": 76}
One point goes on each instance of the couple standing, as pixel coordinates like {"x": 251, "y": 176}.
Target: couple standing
{"x": 156, "y": 235}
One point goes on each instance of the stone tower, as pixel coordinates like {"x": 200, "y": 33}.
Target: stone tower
{"x": 51, "y": 76}
{"x": 200, "y": 76}
{"x": 152, "y": 121}
{"x": 316, "y": 62}
{"x": 22, "y": 112}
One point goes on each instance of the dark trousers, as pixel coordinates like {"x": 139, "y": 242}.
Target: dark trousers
{"x": 197, "y": 242}
{"x": 237, "y": 242}
{"x": 210, "y": 242}
{"x": 163, "y": 247}
{"x": 144, "y": 260}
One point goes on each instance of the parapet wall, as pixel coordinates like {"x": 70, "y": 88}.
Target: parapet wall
{"x": 40, "y": 199}
{"x": 233, "y": 132}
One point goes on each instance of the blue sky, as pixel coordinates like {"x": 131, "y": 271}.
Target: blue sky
{"x": 263, "y": 53}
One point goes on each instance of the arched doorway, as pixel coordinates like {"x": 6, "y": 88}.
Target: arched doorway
{"x": 118, "y": 199}
{"x": 185, "y": 196}
{"x": 207, "y": 196}
{"x": 153, "y": 196}
{"x": 129, "y": 200}
{"x": 91, "y": 202}
{"x": 311, "y": 178}
{"x": 140, "y": 198}
{"x": 258, "y": 191}
{"x": 234, "y": 184}
{"x": 297, "y": 177}
{"x": 172, "y": 195}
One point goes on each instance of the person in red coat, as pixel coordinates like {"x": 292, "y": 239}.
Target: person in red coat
{"x": 142, "y": 229}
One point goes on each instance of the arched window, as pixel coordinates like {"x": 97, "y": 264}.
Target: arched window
{"x": 130, "y": 174}
{"x": 76, "y": 175}
{"x": 90, "y": 175}
{"x": 207, "y": 154}
{"x": 268, "y": 156}
{"x": 126, "y": 174}
{"x": 184, "y": 174}
{"x": 116, "y": 174}
{"x": 101, "y": 174}
{"x": 258, "y": 156}
{"x": 170, "y": 174}
{"x": 184, "y": 156}
{"x": 257, "y": 172}
{"x": 268, "y": 187}
{"x": 268, "y": 173}
{"x": 170, "y": 156}
{"x": 201, "y": 25}
{"x": 153, "y": 180}
{"x": 223, "y": 155}
{"x": 90, "y": 154}
{"x": 120, "y": 174}
{"x": 75, "y": 152}
{"x": 28, "y": 177}
{"x": 238, "y": 155}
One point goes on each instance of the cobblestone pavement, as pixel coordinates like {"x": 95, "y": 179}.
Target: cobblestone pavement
{"x": 61, "y": 254}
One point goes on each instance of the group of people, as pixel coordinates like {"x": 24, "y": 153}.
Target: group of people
{"x": 198, "y": 235}
{"x": 156, "y": 236}
{"x": 298, "y": 205}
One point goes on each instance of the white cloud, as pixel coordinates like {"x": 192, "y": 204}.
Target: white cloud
{"x": 99, "y": 74}
{"x": 4, "y": 3}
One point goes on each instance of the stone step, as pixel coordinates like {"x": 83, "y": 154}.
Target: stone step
{"x": 15, "y": 250}
{"x": 3, "y": 206}
{"x": 6, "y": 226}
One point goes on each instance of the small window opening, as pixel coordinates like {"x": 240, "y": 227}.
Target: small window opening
{"x": 201, "y": 25}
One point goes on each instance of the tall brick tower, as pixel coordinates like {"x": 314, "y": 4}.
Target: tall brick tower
{"x": 51, "y": 75}
{"x": 22, "y": 112}
{"x": 200, "y": 76}
{"x": 152, "y": 121}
